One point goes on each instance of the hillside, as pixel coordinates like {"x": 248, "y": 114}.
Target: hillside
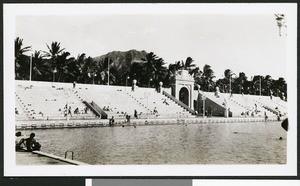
{"x": 121, "y": 59}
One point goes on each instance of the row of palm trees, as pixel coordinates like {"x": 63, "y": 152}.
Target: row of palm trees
{"x": 58, "y": 65}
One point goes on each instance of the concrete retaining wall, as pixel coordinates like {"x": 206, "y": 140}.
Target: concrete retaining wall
{"x": 29, "y": 125}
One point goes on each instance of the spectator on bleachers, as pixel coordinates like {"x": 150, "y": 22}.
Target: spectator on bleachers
{"x": 128, "y": 119}
{"x": 135, "y": 114}
{"x": 16, "y": 111}
{"x": 278, "y": 116}
{"x": 247, "y": 112}
{"x": 266, "y": 117}
{"x": 76, "y": 111}
{"x": 155, "y": 111}
{"x": 209, "y": 114}
{"x": 74, "y": 84}
{"x": 41, "y": 114}
{"x": 70, "y": 111}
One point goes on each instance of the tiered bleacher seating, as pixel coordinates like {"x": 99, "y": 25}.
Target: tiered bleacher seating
{"x": 121, "y": 101}
{"x": 158, "y": 105}
{"x": 47, "y": 101}
{"x": 251, "y": 106}
{"x": 274, "y": 104}
{"x": 112, "y": 99}
{"x": 239, "y": 104}
{"x": 21, "y": 111}
{"x": 42, "y": 101}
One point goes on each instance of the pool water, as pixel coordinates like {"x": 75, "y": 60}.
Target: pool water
{"x": 219, "y": 143}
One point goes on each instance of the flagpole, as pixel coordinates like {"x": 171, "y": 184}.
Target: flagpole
{"x": 108, "y": 72}
{"x": 260, "y": 85}
{"x": 30, "y": 66}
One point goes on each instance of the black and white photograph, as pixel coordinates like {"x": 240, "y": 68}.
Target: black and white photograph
{"x": 150, "y": 89}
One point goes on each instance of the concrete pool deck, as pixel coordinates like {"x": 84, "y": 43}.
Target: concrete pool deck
{"x": 59, "y": 124}
{"x": 43, "y": 158}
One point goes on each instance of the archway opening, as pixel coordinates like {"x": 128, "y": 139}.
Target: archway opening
{"x": 184, "y": 96}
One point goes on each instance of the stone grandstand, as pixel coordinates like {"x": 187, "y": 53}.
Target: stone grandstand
{"x": 240, "y": 105}
{"x": 61, "y": 101}
{"x": 48, "y": 101}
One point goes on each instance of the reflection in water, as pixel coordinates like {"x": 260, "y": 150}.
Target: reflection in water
{"x": 222, "y": 143}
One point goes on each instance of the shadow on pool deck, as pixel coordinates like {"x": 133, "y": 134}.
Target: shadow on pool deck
{"x": 42, "y": 158}
{"x": 28, "y": 158}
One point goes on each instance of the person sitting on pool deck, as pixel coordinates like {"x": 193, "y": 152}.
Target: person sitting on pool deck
{"x": 31, "y": 143}
{"x": 111, "y": 121}
{"x": 19, "y": 141}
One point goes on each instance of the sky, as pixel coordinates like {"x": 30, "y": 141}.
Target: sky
{"x": 242, "y": 43}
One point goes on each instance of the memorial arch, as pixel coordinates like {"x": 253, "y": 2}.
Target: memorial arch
{"x": 183, "y": 87}
{"x": 184, "y": 96}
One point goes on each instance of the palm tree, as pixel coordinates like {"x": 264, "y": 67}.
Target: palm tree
{"x": 175, "y": 66}
{"x": 53, "y": 53}
{"x": 239, "y": 83}
{"x": 227, "y": 80}
{"x": 256, "y": 85}
{"x": 207, "y": 83}
{"x": 149, "y": 67}
{"x": 61, "y": 65}
{"x": 227, "y": 73}
{"x": 222, "y": 84}
{"x": 21, "y": 60}
{"x": 279, "y": 88}
{"x": 160, "y": 71}
{"x": 19, "y": 50}
{"x": 188, "y": 64}
{"x": 86, "y": 70}
{"x": 266, "y": 85}
{"x": 54, "y": 50}
{"x": 196, "y": 73}
{"x": 150, "y": 70}
{"x": 39, "y": 66}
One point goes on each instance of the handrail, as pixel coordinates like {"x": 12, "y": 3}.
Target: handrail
{"x": 96, "y": 109}
{"x": 66, "y": 153}
{"x": 73, "y": 162}
{"x": 178, "y": 102}
{"x": 271, "y": 110}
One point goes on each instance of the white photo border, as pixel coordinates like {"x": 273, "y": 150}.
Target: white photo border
{"x": 10, "y": 11}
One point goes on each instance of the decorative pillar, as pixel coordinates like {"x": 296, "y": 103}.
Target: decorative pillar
{"x": 133, "y": 85}
{"x": 160, "y": 87}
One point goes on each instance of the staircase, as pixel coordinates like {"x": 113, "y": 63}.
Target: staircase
{"x": 96, "y": 109}
{"x": 179, "y": 102}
